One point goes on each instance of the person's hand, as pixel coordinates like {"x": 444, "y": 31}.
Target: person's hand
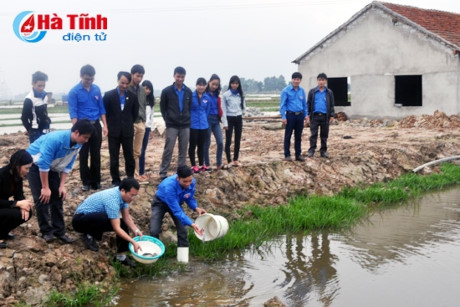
{"x": 225, "y": 127}
{"x": 331, "y": 119}
{"x": 24, "y": 204}
{"x": 200, "y": 211}
{"x": 284, "y": 122}
{"x": 25, "y": 214}
{"x": 62, "y": 192}
{"x": 138, "y": 233}
{"x": 197, "y": 229}
{"x": 105, "y": 131}
{"x": 136, "y": 247}
{"x": 26, "y": 133}
{"x": 45, "y": 195}
{"x": 307, "y": 119}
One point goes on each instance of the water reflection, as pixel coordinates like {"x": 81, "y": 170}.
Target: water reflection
{"x": 405, "y": 256}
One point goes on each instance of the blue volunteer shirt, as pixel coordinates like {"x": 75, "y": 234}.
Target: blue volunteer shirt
{"x": 320, "y": 101}
{"x": 108, "y": 201}
{"x": 170, "y": 192}
{"x": 122, "y": 99}
{"x": 198, "y": 115}
{"x": 86, "y": 104}
{"x": 211, "y": 101}
{"x": 293, "y": 100}
{"x": 180, "y": 95}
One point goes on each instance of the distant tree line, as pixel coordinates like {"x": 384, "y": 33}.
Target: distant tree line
{"x": 269, "y": 85}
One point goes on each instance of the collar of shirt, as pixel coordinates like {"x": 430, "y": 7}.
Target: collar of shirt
{"x": 41, "y": 95}
{"x": 122, "y": 98}
{"x": 318, "y": 90}
{"x": 234, "y": 92}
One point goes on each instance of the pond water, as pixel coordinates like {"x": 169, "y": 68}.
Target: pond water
{"x": 404, "y": 256}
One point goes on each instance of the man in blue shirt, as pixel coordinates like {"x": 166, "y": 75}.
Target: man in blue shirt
{"x": 171, "y": 194}
{"x": 85, "y": 102}
{"x": 321, "y": 109}
{"x": 54, "y": 155}
{"x": 100, "y": 213}
{"x": 293, "y": 109}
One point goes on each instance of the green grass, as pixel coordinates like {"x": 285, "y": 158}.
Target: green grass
{"x": 85, "y": 294}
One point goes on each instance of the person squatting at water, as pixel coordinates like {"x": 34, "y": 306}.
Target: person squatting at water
{"x": 54, "y": 155}
{"x": 171, "y": 194}
{"x": 19, "y": 210}
{"x": 100, "y": 213}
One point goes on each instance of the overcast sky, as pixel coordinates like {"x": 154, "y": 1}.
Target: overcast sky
{"x": 250, "y": 38}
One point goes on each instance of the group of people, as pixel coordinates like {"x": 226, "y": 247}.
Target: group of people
{"x": 127, "y": 114}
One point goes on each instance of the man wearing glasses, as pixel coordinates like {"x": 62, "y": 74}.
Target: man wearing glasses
{"x": 100, "y": 213}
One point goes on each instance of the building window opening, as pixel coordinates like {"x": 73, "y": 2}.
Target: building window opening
{"x": 341, "y": 88}
{"x": 408, "y": 90}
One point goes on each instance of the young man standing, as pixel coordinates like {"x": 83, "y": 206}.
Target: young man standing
{"x": 293, "y": 109}
{"x": 85, "y": 102}
{"x": 171, "y": 193}
{"x": 321, "y": 109}
{"x": 122, "y": 110}
{"x": 175, "y": 109}
{"x": 35, "y": 111}
{"x": 54, "y": 155}
{"x": 137, "y": 74}
{"x": 100, "y": 213}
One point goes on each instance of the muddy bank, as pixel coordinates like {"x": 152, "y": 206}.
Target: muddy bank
{"x": 361, "y": 151}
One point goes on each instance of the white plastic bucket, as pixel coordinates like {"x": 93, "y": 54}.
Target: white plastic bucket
{"x": 214, "y": 226}
{"x": 182, "y": 254}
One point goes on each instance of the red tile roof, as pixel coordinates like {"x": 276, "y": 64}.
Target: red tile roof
{"x": 444, "y": 24}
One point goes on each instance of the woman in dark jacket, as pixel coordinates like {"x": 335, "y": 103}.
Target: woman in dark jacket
{"x": 17, "y": 211}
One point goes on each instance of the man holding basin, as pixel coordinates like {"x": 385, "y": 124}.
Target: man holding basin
{"x": 100, "y": 213}
{"x": 171, "y": 193}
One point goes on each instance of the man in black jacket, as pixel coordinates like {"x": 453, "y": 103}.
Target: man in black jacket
{"x": 320, "y": 105}
{"x": 175, "y": 110}
{"x": 122, "y": 109}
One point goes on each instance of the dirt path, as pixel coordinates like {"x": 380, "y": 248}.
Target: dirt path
{"x": 361, "y": 151}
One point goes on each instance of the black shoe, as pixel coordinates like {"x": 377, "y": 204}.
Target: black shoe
{"x": 90, "y": 242}
{"x": 65, "y": 239}
{"x": 96, "y": 186}
{"x": 9, "y": 236}
{"x": 288, "y": 159}
{"x": 127, "y": 261}
{"x": 3, "y": 244}
{"x": 324, "y": 155}
{"x": 48, "y": 238}
{"x": 85, "y": 187}
{"x": 310, "y": 154}
{"x": 300, "y": 158}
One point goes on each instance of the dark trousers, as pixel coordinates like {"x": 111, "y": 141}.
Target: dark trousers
{"x": 294, "y": 123}
{"x": 91, "y": 175}
{"x": 95, "y": 224}
{"x": 319, "y": 121}
{"x": 50, "y": 216}
{"x": 145, "y": 142}
{"x": 10, "y": 218}
{"x": 234, "y": 123}
{"x": 114, "y": 151}
{"x": 197, "y": 140}
{"x": 159, "y": 209}
{"x": 34, "y": 134}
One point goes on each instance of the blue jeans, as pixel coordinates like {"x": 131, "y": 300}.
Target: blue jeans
{"x": 145, "y": 142}
{"x": 214, "y": 128}
{"x": 294, "y": 123}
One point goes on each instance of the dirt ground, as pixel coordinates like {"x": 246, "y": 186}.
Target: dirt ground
{"x": 360, "y": 151}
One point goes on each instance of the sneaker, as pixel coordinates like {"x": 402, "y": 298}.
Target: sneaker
{"x": 90, "y": 242}
{"x": 288, "y": 159}
{"x": 300, "y": 158}
{"x": 85, "y": 187}
{"x": 49, "y": 237}
{"x": 65, "y": 239}
{"x": 3, "y": 244}
{"x": 310, "y": 154}
{"x": 96, "y": 186}
{"x": 324, "y": 155}
{"x": 204, "y": 168}
{"x": 196, "y": 169}
{"x": 127, "y": 261}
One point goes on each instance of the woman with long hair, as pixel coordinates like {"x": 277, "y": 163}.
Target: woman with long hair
{"x": 214, "y": 111}
{"x": 233, "y": 107}
{"x": 149, "y": 112}
{"x": 19, "y": 210}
